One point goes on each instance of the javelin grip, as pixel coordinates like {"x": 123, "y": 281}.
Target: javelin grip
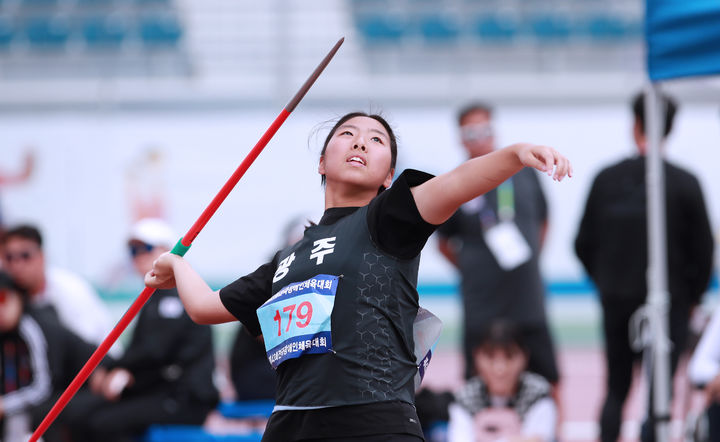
{"x": 180, "y": 249}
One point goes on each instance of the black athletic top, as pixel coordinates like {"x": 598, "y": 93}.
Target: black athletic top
{"x": 367, "y": 380}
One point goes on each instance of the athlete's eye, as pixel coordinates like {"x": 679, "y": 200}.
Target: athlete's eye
{"x": 346, "y": 132}
{"x": 377, "y": 140}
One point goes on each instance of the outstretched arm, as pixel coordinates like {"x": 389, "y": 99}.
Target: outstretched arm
{"x": 202, "y": 304}
{"x": 437, "y": 199}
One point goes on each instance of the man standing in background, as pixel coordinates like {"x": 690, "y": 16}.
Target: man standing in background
{"x": 612, "y": 246}
{"x": 495, "y": 242}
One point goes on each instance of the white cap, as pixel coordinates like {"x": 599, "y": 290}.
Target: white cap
{"x": 153, "y": 231}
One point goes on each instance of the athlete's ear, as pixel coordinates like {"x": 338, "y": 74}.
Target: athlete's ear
{"x": 321, "y": 165}
{"x": 389, "y": 178}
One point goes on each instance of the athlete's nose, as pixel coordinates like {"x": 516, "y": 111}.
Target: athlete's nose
{"x": 360, "y": 146}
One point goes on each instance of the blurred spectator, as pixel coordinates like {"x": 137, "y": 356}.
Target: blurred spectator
{"x": 504, "y": 401}
{"x": 612, "y": 245}
{"x": 23, "y": 175}
{"x": 39, "y": 359}
{"x": 76, "y": 303}
{"x": 704, "y": 370}
{"x": 166, "y": 373}
{"x": 500, "y": 281}
{"x": 145, "y": 186}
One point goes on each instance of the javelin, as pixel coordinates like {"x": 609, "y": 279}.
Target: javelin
{"x": 182, "y": 246}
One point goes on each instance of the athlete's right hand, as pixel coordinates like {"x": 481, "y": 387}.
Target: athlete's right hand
{"x": 162, "y": 275}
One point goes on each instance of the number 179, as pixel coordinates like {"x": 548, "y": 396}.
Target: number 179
{"x": 304, "y": 313}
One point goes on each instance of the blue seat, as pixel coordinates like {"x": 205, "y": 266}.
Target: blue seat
{"x": 551, "y": 28}
{"x": 38, "y": 3}
{"x": 606, "y": 28}
{"x": 381, "y": 28}
{"x": 439, "y": 29}
{"x": 160, "y": 31}
{"x": 247, "y": 409}
{"x": 103, "y": 32}
{"x": 496, "y": 29}
{"x": 7, "y": 33}
{"x": 47, "y": 32}
{"x": 189, "y": 433}
{"x": 95, "y": 3}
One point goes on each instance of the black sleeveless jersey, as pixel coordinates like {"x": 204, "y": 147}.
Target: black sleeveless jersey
{"x": 376, "y": 302}
{"x": 372, "y": 319}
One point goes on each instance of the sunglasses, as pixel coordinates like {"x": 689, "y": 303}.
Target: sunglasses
{"x": 25, "y": 255}
{"x": 476, "y": 132}
{"x": 139, "y": 248}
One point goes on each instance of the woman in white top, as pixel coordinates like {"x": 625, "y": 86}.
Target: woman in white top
{"x": 704, "y": 370}
{"x": 503, "y": 402}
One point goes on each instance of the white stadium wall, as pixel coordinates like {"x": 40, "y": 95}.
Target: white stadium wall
{"x": 79, "y": 192}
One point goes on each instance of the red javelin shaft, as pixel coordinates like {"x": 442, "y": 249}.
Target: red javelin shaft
{"x": 181, "y": 248}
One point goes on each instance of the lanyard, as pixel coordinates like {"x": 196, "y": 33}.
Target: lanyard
{"x": 506, "y": 201}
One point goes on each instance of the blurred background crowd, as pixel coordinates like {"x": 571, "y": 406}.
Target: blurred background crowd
{"x": 121, "y": 119}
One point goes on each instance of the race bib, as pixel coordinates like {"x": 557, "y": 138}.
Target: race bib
{"x": 507, "y": 245}
{"x": 296, "y": 320}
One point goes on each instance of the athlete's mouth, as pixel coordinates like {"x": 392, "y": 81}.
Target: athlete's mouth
{"x": 356, "y": 159}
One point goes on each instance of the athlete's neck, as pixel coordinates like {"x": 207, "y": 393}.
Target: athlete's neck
{"x": 347, "y": 195}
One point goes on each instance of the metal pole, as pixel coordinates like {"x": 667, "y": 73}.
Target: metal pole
{"x": 657, "y": 280}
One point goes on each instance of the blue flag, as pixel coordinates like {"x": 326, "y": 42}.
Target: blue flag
{"x": 683, "y": 38}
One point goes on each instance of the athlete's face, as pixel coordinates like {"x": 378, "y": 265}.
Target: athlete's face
{"x": 358, "y": 153}
{"x": 10, "y": 309}
{"x": 500, "y": 368}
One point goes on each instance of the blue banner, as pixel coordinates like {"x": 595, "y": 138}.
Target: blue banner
{"x": 683, "y": 38}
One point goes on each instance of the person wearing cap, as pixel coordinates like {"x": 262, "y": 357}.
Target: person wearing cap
{"x": 165, "y": 375}
{"x": 76, "y": 303}
{"x": 39, "y": 359}
{"x": 495, "y": 242}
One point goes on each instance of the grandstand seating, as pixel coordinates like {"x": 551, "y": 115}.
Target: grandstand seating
{"x": 496, "y": 29}
{"x": 439, "y": 29}
{"x": 446, "y": 23}
{"x": 104, "y": 32}
{"x": 381, "y": 29}
{"x": 88, "y": 37}
{"x": 551, "y": 28}
{"x": 6, "y": 33}
{"x": 160, "y": 31}
{"x": 47, "y": 32}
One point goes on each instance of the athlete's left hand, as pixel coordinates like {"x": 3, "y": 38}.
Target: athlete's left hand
{"x": 545, "y": 159}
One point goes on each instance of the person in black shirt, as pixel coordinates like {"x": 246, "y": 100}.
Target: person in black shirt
{"x": 612, "y": 246}
{"x": 336, "y": 309}
{"x": 166, "y": 374}
{"x": 39, "y": 357}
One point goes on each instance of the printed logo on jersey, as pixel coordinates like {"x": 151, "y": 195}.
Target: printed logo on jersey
{"x": 283, "y": 267}
{"x": 323, "y": 247}
{"x": 296, "y": 320}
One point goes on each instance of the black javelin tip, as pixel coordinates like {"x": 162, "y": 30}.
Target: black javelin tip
{"x": 314, "y": 76}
